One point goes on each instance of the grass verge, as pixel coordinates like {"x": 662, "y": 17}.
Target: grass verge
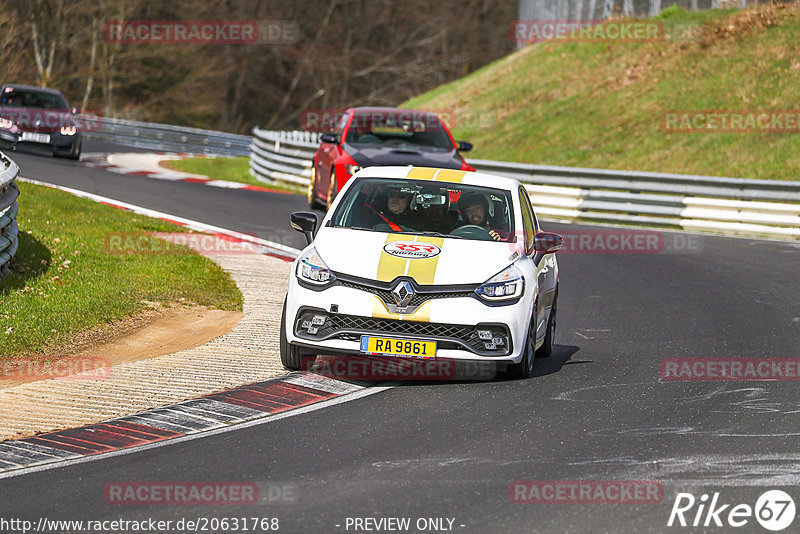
{"x": 595, "y": 104}
{"x": 66, "y": 281}
{"x": 235, "y": 169}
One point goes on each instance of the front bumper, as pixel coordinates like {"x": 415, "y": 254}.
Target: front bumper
{"x": 57, "y": 143}
{"x": 345, "y": 313}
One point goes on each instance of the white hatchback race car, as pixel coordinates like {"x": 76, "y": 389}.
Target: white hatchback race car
{"x": 416, "y": 262}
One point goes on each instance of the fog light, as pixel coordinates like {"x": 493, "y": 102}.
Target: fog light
{"x": 490, "y": 346}
{"x": 313, "y": 330}
{"x": 498, "y": 341}
{"x": 484, "y": 334}
{"x": 305, "y": 325}
{"x": 318, "y": 320}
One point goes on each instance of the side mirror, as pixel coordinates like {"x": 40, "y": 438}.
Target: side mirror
{"x": 464, "y": 146}
{"x": 328, "y": 138}
{"x": 548, "y": 242}
{"x": 306, "y": 222}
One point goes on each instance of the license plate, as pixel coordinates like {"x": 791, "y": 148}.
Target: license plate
{"x": 406, "y": 348}
{"x": 35, "y": 137}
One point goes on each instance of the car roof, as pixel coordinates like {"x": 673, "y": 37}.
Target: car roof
{"x": 16, "y": 86}
{"x": 441, "y": 175}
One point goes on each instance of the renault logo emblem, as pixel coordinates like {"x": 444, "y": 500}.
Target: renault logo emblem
{"x": 403, "y": 293}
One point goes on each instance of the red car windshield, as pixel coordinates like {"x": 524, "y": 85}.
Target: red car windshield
{"x": 400, "y": 129}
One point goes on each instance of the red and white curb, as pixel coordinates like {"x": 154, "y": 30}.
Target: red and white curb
{"x": 236, "y": 408}
{"x": 270, "y": 248}
{"x": 146, "y": 164}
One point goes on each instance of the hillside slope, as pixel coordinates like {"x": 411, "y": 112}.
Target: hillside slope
{"x": 603, "y": 104}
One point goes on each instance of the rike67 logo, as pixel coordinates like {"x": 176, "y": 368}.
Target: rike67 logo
{"x": 774, "y": 510}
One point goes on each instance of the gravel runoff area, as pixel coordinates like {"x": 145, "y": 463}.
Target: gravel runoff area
{"x": 248, "y": 353}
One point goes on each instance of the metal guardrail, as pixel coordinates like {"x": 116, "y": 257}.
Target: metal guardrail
{"x": 166, "y": 137}
{"x": 728, "y": 205}
{"x": 8, "y": 213}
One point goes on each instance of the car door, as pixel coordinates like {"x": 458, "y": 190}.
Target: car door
{"x": 545, "y": 268}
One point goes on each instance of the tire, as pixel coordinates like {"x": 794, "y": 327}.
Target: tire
{"x": 546, "y": 350}
{"x": 76, "y": 151}
{"x": 291, "y": 358}
{"x": 524, "y": 369}
{"x": 333, "y": 189}
{"x": 313, "y": 201}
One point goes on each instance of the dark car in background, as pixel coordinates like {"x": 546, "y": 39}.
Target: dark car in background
{"x": 378, "y": 136}
{"x": 40, "y": 119}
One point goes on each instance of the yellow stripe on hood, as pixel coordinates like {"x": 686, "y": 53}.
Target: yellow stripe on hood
{"x": 422, "y": 270}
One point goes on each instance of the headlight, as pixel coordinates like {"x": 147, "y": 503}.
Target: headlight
{"x": 6, "y": 124}
{"x": 68, "y": 130}
{"x": 313, "y": 270}
{"x": 352, "y": 169}
{"x": 506, "y": 285}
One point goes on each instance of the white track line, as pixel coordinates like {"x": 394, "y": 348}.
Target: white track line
{"x": 274, "y": 249}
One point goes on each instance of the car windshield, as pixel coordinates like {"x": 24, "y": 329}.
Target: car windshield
{"x": 25, "y": 98}
{"x": 424, "y": 207}
{"x": 399, "y": 129}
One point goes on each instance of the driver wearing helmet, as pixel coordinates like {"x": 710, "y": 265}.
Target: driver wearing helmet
{"x": 475, "y": 208}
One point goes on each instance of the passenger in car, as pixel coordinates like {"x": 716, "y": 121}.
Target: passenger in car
{"x": 396, "y": 217}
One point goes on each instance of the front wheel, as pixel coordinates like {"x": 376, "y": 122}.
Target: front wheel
{"x": 76, "y": 151}
{"x": 313, "y": 201}
{"x": 524, "y": 369}
{"x": 547, "y": 347}
{"x": 332, "y": 189}
{"x": 290, "y": 354}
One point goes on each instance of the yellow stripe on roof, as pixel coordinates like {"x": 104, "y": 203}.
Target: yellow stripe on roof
{"x": 449, "y": 175}
{"x": 421, "y": 173}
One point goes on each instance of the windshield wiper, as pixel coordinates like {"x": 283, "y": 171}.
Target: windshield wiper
{"x": 355, "y": 228}
{"x": 436, "y": 234}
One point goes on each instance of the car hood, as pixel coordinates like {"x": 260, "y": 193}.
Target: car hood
{"x": 459, "y": 261}
{"x": 380, "y": 155}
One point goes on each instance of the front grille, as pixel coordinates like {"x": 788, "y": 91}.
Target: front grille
{"x": 448, "y": 336}
{"x": 422, "y": 294}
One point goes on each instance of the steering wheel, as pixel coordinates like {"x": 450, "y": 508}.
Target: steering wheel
{"x": 473, "y": 231}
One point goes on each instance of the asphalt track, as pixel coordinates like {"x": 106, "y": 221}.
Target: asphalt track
{"x": 595, "y": 410}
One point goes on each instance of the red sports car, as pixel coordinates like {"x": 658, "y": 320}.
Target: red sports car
{"x": 366, "y": 137}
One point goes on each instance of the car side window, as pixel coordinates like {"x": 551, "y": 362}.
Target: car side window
{"x": 527, "y": 219}
{"x": 533, "y": 212}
